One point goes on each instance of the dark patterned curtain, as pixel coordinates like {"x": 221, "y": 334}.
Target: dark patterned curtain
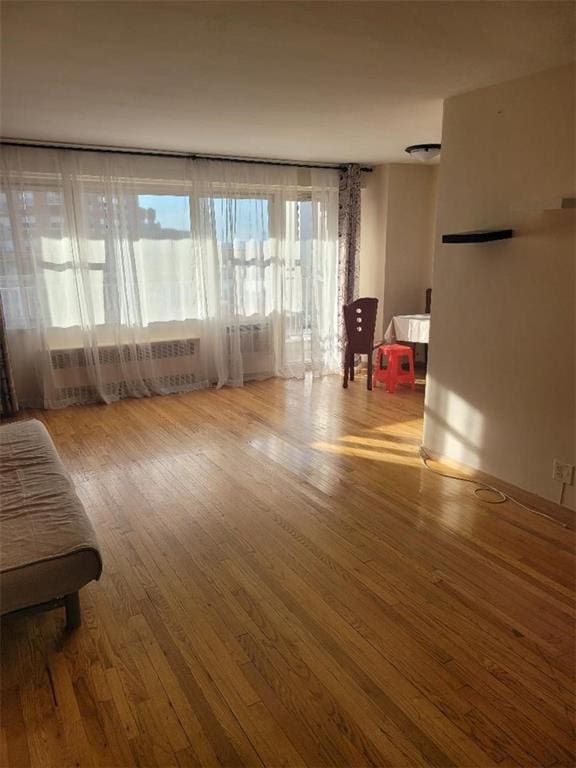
{"x": 8, "y": 399}
{"x": 348, "y": 236}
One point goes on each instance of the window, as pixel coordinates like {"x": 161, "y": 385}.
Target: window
{"x": 12, "y": 296}
{"x": 106, "y": 249}
{"x": 241, "y": 219}
{"x": 54, "y": 198}
{"x": 28, "y": 221}
{"x": 164, "y": 215}
{"x": 165, "y": 268}
{"x": 139, "y": 258}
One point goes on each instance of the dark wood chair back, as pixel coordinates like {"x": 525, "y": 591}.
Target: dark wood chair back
{"x": 360, "y": 323}
{"x": 428, "y": 300}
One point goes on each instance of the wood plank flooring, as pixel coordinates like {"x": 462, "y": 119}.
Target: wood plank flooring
{"x": 285, "y": 585}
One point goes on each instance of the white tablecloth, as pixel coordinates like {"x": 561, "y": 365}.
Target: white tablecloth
{"x": 415, "y": 328}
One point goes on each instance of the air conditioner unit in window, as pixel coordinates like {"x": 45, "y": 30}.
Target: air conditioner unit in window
{"x": 255, "y": 346}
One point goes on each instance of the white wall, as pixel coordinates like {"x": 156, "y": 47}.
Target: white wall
{"x": 501, "y": 388}
{"x": 409, "y": 238}
{"x": 397, "y": 240}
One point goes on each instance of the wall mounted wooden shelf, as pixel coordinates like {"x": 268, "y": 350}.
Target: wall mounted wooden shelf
{"x": 480, "y": 236}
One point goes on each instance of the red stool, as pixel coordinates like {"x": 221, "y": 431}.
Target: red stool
{"x": 389, "y": 369}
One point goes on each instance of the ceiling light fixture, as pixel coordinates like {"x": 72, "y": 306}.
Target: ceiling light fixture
{"x": 424, "y": 152}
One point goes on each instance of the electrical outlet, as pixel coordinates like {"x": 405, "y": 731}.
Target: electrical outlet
{"x": 562, "y": 473}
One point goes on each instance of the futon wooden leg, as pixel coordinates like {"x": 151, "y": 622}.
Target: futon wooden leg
{"x": 73, "y": 615}
{"x": 345, "y": 382}
{"x": 369, "y": 372}
{"x": 351, "y": 362}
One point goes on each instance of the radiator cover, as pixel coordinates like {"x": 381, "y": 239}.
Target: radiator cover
{"x": 175, "y": 369}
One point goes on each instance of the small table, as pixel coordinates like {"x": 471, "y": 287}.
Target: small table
{"x": 413, "y": 328}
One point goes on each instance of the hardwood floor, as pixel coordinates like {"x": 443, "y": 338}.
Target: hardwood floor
{"x": 285, "y": 585}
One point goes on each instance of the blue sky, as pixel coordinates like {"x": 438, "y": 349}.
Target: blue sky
{"x": 171, "y": 211}
{"x": 249, "y": 218}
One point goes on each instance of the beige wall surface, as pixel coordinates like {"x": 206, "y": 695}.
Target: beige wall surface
{"x": 373, "y": 239}
{"x": 396, "y": 245}
{"x": 409, "y": 238}
{"x": 501, "y": 387}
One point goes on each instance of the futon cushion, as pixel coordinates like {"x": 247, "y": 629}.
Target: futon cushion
{"x": 48, "y": 547}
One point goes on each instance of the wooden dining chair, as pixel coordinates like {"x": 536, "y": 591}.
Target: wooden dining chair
{"x": 428, "y": 300}
{"x": 360, "y": 324}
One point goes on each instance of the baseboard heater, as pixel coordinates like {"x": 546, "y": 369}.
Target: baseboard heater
{"x": 176, "y": 368}
{"x": 177, "y": 364}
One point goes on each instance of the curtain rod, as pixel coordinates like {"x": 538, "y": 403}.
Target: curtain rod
{"x": 167, "y": 153}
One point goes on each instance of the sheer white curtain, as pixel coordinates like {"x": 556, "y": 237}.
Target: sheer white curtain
{"x": 126, "y": 275}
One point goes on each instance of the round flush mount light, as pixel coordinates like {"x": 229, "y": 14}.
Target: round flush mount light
{"x": 424, "y": 152}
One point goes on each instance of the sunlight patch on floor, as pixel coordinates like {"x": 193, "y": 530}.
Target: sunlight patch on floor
{"x": 371, "y": 442}
{"x": 388, "y": 455}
